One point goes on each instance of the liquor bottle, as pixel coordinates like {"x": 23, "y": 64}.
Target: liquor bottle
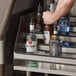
{"x": 48, "y": 29}
{"x": 55, "y": 43}
{"x": 39, "y": 19}
{"x": 64, "y": 24}
{"x": 31, "y": 40}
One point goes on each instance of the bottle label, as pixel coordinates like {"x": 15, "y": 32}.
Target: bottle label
{"x": 47, "y": 37}
{"x": 31, "y": 27}
{"x": 55, "y": 32}
{"x": 52, "y": 7}
{"x": 31, "y": 46}
{"x": 64, "y": 24}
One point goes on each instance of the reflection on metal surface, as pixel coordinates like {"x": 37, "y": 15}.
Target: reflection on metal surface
{"x": 56, "y": 66}
{"x": 46, "y": 58}
{"x": 49, "y": 68}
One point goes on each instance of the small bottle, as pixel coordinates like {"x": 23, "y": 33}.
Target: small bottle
{"x": 55, "y": 43}
{"x": 39, "y": 20}
{"x": 31, "y": 40}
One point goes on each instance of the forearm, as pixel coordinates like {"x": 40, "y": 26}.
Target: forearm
{"x": 63, "y": 8}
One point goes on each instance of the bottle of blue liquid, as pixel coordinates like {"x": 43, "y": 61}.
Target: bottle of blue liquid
{"x": 64, "y": 25}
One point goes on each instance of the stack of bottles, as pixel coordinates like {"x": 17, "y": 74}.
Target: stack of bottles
{"x": 50, "y": 33}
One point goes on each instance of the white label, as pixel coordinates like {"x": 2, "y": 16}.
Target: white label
{"x": 52, "y": 7}
{"x": 47, "y": 37}
{"x": 31, "y": 27}
{"x": 31, "y": 46}
{"x": 55, "y": 32}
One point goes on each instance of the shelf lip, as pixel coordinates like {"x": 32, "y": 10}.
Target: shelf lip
{"x": 64, "y": 38}
{"x": 64, "y": 49}
{"x": 21, "y": 68}
{"x": 44, "y": 47}
{"x": 66, "y": 61}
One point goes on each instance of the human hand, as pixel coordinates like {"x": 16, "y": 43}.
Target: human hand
{"x": 48, "y": 17}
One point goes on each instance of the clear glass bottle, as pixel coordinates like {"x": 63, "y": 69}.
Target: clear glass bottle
{"x": 55, "y": 43}
{"x": 31, "y": 40}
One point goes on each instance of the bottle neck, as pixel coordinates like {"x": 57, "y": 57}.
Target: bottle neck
{"x": 47, "y": 27}
{"x": 39, "y": 10}
{"x": 32, "y": 32}
{"x": 55, "y": 32}
{"x": 50, "y": 5}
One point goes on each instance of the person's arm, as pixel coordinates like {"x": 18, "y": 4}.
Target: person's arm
{"x": 63, "y": 7}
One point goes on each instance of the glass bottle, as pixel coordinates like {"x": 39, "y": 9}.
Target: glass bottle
{"x": 31, "y": 40}
{"x": 55, "y": 43}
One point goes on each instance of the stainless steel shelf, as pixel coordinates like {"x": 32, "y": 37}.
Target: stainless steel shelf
{"x": 64, "y": 66}
{"x": 63, "y": 38}
{"x": 46, "y": 48}
{"x": 48, "y": 59}
{"x": 64, "y": 49}
{"x": 20, "y": 68}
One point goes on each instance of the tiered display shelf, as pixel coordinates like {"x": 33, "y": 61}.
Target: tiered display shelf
{"x": 62, "y": 65}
